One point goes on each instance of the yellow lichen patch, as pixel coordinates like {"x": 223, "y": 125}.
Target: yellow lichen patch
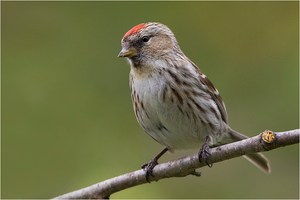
{"x": 268, "y": 136}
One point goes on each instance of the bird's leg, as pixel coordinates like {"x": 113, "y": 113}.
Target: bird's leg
{"x": 204, "y": 153}
{"x": 149, "y": 166}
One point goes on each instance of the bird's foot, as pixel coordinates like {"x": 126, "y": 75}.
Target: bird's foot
{"x": 204, "y": 153}
{"x": 148, "y": 167}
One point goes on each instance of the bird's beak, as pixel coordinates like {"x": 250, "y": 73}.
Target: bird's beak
{"x": 127, "y": 52}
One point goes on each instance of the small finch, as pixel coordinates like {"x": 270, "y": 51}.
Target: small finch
{"x": 173, "y": 101}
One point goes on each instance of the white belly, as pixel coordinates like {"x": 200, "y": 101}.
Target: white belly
{"x": 167, "y": 117}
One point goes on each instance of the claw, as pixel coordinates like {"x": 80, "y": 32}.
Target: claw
{"x": 148, "y": 167}
{"x": 204, "y": 153}
{"x": 195, "y": 173}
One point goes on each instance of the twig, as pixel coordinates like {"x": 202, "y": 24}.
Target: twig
{"x": 187, "y": 165}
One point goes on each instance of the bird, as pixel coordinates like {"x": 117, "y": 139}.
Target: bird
{"x": 173, "y": 101}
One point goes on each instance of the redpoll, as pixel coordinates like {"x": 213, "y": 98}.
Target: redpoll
{"x": 173, "y": 101}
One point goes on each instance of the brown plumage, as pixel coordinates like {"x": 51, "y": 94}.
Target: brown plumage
{"x": 174, "y": 102}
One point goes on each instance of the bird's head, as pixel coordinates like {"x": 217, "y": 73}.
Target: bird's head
{"x": 147, "y": 42}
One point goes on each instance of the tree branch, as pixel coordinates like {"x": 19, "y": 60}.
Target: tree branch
{"x": 266, "y": 141}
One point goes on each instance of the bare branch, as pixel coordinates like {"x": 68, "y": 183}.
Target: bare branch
{"x": 187, "y": 165}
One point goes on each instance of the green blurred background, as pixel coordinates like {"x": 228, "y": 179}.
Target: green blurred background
{"x": 67, "y": 120}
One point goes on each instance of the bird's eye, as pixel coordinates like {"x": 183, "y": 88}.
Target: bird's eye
{"x": 145, "y": 38}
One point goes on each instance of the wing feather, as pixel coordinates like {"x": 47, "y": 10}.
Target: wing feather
{"x": 214, "y": 93}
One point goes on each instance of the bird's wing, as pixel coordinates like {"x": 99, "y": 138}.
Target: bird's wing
{"x": 214, "y": 93}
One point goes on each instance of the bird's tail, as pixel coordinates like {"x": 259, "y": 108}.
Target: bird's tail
{"x": 257, "y": 159}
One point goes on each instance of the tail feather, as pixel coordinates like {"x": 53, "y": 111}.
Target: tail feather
{"x": 260, "y": 161}
{"x": 257, "y": 159}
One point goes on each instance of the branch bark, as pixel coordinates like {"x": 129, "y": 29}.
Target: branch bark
{"x": 184, "y": 166}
